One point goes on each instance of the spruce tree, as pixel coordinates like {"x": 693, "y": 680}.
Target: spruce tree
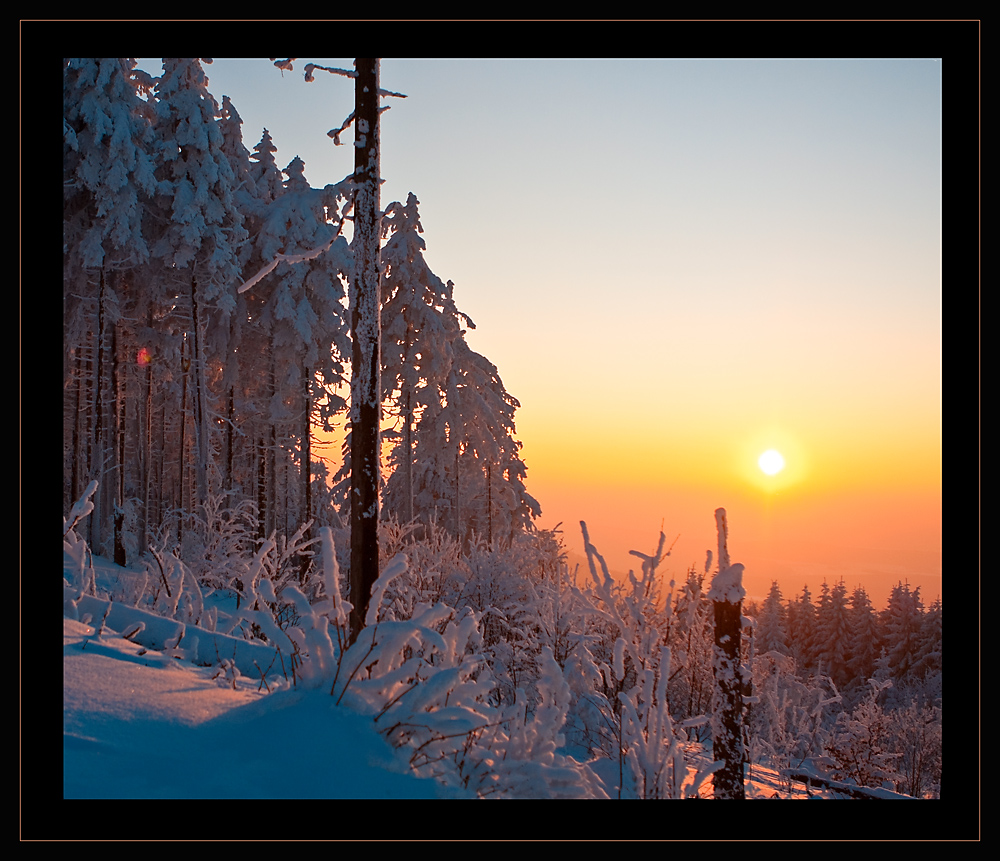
{"x": 862, "y": 627}
{"x": 199, "y": 244}
{"x": 770, "y": 634}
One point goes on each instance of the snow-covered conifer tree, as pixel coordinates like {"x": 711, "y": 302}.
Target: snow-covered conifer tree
{"x": 862, "y": 632}
{"x": 203, "y": 230}
{"x": 463, "y": 463}
{"x": 420, "y": 323}
{"x": 298, "y": 316}
{"x": 802, "y": 629}
{"x": 832, "y": 634}
{"x": 900, "y": 626}
{"x": 770, "y": 635}
{"x": 107, "y": 177}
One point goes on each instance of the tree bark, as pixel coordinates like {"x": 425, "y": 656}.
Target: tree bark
{"x": 727, "y": 724}
{"x": 366, "y": 350}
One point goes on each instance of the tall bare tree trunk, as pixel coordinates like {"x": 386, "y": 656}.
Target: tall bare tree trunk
{"x": 726, "y": 595}
{"x": 366, "y": 396}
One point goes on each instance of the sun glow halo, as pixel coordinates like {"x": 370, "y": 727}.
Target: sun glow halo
{"x": 771, "y": 462}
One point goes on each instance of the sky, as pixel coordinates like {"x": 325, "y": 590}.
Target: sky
{"x": 676, "y": 265}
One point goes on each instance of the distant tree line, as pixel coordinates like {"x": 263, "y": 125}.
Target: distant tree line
{"x": 843, "y": 637}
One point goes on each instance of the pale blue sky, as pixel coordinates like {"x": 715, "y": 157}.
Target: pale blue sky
{"x": 670, "y": 242}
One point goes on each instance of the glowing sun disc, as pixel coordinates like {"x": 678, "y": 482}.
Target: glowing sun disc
{"x": 771, "y": 462}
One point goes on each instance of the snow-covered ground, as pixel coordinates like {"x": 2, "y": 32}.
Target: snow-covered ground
{"x": 139, "y": 724}
{"x": 140, "y": 721}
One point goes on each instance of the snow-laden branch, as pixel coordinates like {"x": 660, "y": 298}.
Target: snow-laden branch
{"x": 299, "y": 257}
{"x": 286, "y": 66}
{"x": 311, "y": 66}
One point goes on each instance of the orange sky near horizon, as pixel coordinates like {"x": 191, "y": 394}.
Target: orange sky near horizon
{"x": 869, "y": 513}
{"x": 760, "y": 267}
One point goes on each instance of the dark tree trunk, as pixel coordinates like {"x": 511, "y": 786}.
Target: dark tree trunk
{"x": 182, "y": 455}
{"x": 231, "y": 416}
{"x": 489, "y": 505}
{"x": 116, "y": 377}
{"x": 200, "y": 424}
{"x": 148, "y": 437}
{"x": 366, "y": 330}
{"x": 727, "y": 744}
{"x": 97, "y": 460}
{"x": 408, "y": 385}
{"x": 261, "y": 488}
{"x": 727, "y": 725}
{"x": 306, "y": 467}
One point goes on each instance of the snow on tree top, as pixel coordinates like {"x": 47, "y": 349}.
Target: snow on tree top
{"x": 727, "y": 585}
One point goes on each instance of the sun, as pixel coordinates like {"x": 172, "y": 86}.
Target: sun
{"x": 771, "y": 462}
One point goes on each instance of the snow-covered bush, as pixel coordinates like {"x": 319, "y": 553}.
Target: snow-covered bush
{"x": 175, "y": 591}
{"x": 218, "y": 539}
{"x": 636, "y": 718}
{"x": 917, "y": 739}
{"x": 860, "y": 743}
{"x": 788, "y": 716}
{"x": 75, "y": 547}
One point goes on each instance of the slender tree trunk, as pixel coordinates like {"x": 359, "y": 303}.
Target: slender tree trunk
{"x": 271, "y": 476}
{"x": 261, "y": 488}
{"x": 79, "y": 452}
{"x": 230, "y": 433}
{"x": 366, "y": 397}
{"x": 200, "y": 412}
{"x": 119, "y": 427}
{"x": 458, "y": 504}
{"x": 97, "y": 463}
{"x": 408, "y": 425}
{"x": 489, "y": 504}
{"x": 306, "y": 465}
{"x": 147, "y": 460}
{"x": 182, "y": 455}
{"x": 408, "y": 454}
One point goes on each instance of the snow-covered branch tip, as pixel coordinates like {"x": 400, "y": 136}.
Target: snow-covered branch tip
{"x": 335, "y": 133}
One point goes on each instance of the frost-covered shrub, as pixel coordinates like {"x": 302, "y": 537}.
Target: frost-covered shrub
{"x": 860, "y": 743}
{"x": 690, "y": 635}
{"x": 917, "y": 738}
{"x": 76, "y": 548}
{"x": 788, "y": 715}
{"x": 218, "y": 539}
{"x": 175, "y": 591}
{"x": 634, "y": 724}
